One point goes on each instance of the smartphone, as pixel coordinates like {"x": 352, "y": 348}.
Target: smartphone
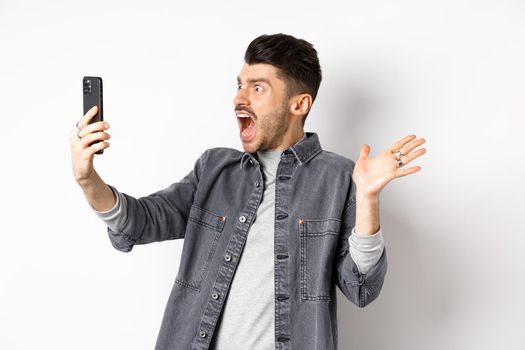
{"x": 92, "y": 90}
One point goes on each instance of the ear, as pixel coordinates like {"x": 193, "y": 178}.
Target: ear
{"x": 301, "y": 104}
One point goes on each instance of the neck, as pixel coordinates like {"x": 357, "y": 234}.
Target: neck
{"x": 289, "y": 139}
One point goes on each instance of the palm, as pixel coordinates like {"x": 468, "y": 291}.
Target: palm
{"x": 371, "y": 175}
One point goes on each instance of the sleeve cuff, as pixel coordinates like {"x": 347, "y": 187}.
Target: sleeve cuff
{"x": 115, "y": 217}
{"x": 115, "y": 207}
{"x": 366, "y": 250}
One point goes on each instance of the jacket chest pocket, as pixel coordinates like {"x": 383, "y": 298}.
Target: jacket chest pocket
{"x": 318, "y": 244}
{"x": 202, "y": 234}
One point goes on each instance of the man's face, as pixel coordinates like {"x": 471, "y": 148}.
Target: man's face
{"x": 261, "y": 107}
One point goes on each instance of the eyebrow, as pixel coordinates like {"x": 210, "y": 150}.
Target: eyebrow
{"x": 251, "y": 81}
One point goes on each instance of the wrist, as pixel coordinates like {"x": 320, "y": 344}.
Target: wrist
{"x": 87, "y": 183}
{"x": 367, "y": 214}
{"x": 367, "y": 197}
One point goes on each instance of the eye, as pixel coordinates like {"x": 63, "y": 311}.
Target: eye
{"x": 258, "y": 88}
{"x": 239, "y": 86}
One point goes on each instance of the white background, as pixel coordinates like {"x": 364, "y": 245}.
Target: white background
{"x": 450, "y": 71}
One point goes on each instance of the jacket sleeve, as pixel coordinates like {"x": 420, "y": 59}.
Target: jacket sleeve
{"x": 159, "y": 216}
{"x": 361, "y": 289}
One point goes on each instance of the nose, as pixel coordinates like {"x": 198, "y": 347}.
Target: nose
{"x": 241, "y": 98}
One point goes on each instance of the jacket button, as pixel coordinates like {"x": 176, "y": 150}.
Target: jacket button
{"x": 227, "y": 257}
{"x": 242, "y": 219}
{"x": 361, "y": 279}
{"x": 251, "y": 161}
{"x": 202, "y": 334}
{"x": 257, "y": 183}
{"x": 215, "y": 295}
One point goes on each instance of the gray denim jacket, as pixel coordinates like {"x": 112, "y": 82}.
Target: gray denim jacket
{"x": 212, "y": 209}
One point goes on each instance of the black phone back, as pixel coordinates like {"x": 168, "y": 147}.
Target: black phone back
{"x": 92, "y": 88}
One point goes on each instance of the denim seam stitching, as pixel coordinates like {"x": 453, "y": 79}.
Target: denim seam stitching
{"x": 211, "y": 248}
{"x": 303, "y": 236}
{"x": 188, "y": 285}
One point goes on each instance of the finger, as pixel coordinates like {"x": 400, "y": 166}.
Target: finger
{"x": 407, "y": 171}
{"x": 88, "y": 139}
{"x": 94, "y": 148}
{"x": 73, "y": 135}
{"x": 87, "y": 117}
{"x": 365, "y": 151}
{"x": 400, "y": 143}
{"x": 411, "y": 156}
{"x": 406, "y": 149}
{"x": 90, "y": 128}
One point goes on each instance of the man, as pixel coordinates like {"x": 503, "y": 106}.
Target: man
{"x": 268, "y": 232}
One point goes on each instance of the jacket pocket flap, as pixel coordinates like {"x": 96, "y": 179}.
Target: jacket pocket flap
{"x": 321, "y": 227}
{"x": 206, "y": 218}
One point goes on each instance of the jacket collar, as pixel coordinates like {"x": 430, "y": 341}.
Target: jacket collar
{"x": 304, "y": 150}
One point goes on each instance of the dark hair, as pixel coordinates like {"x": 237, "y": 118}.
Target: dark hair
{"x": 296, "y": 60}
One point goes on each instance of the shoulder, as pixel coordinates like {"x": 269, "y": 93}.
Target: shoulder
{"x": 334, "y": 161}
{"x": 223, "y": 152}
{"x": 220, "y": 156}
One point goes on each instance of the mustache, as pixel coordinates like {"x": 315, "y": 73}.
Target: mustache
{"x": 245, "y": 109}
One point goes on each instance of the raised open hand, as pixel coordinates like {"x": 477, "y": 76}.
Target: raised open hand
{"x": 371, "y": 175}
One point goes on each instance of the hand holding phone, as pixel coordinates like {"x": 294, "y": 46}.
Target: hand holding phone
{"x": 90, "y": 135}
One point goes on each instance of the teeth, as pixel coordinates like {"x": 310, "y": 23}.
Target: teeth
{"x": 242, "y": 115}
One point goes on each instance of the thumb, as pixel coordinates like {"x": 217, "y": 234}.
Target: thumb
{"x": 365, "y": 151}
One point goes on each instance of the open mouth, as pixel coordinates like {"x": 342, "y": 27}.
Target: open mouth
{"x": 246, "y": 125}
